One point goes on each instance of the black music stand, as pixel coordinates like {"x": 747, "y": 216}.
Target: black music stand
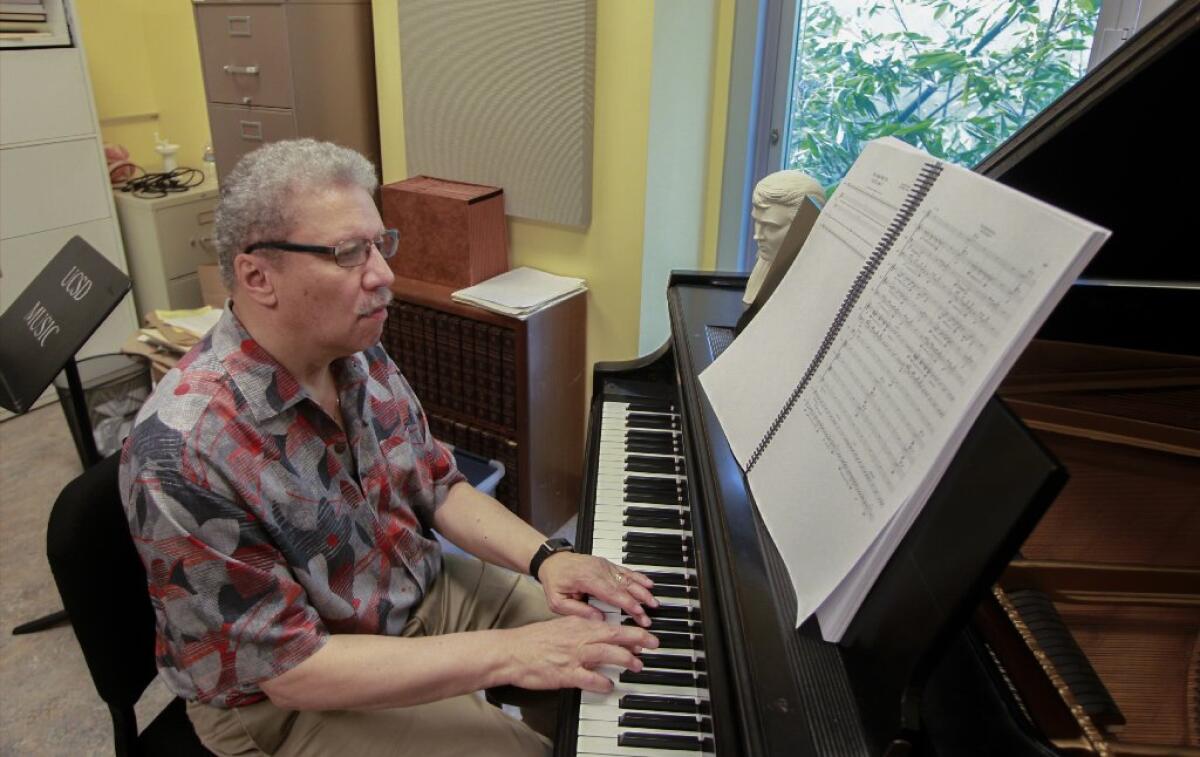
{"x": 40, "y": 334}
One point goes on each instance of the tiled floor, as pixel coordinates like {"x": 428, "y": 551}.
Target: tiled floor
{"x": 47, "y": 703}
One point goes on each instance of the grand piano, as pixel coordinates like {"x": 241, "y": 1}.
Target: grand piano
{"x": 939, "y": 658}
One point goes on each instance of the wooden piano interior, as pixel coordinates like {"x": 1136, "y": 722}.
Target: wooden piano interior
{"x": 1112, "y": 388}
{"x": 1118, "y": 553}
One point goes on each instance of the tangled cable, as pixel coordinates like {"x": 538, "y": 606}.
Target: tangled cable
{"x": 155, "y": 185}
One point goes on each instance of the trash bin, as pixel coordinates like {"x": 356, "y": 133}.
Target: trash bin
{"x": 482, "y": 473}
{"x": 114, "y": 388}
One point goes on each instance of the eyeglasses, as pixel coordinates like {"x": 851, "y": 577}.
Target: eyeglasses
{"x": 347, "y": 254}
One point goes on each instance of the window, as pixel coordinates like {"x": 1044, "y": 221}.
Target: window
{"x": 952, "y": 77}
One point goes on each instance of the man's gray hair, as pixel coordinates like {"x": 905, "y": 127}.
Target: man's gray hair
{"x": 256, "y": 196}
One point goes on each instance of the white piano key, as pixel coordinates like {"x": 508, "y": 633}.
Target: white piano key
{"x": 594, "y": 746}
{"x": 613, "y": 529}
{"x": 603, "y": 728}
{"x": 621, "y": 688}
{"x": 610, "y": 476}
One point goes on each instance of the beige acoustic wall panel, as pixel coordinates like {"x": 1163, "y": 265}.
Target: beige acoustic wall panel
{"x": 501, "y": 93}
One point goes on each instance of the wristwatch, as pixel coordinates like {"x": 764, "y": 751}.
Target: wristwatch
{"x": 549, "y": 547}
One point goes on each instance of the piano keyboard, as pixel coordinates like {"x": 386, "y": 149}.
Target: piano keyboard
{"x": 642, "y": 520}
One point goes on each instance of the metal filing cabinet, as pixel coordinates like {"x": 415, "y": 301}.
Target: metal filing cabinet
{"x": 165, "y": 239}
{"x": 276, "y": 69}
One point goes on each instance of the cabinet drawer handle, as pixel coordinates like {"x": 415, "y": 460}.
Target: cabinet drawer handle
{"x": 239, "y": 26}
{"x": 204, "y": 243}
{"x": 247, "y": 70}
{"x": 205, "y": 217}
{"x": 252, "y": 130}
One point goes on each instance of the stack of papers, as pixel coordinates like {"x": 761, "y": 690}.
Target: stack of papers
{"x": 197, "y": 322}
{"x": 521, "y": 292}
{"x": 179, "y": 330}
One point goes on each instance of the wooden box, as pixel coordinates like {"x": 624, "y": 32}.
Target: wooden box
{"x": 451, "y": 233}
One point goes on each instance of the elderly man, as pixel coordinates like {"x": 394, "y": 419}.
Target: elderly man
{"x": 281, "y": 485}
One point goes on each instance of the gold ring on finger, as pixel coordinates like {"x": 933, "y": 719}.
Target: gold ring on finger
{"x": 619, "y": 577}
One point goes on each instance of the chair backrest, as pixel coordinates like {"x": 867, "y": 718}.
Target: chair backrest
{"x": 103, "y": 584}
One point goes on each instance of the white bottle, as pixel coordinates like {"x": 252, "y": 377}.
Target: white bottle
{"x": 167, "y": 150}
{"x": 209, "y": 160}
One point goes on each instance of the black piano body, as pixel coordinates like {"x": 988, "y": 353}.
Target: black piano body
{"x": 778, "y": 690}
{"x": 912, "y": 676}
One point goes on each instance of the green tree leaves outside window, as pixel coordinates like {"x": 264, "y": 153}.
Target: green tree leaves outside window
{"x": 953, "y": 77}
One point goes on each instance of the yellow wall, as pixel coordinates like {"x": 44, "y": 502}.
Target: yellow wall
{"x": 608, "y": 253}
{"x": 144, "y": 63}
{"x": 145, "y": 67}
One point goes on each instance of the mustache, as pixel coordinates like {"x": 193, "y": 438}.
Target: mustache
{"x": 381, "y": 299}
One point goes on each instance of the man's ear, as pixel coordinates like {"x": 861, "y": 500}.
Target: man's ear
{"x": 255, "y": 276}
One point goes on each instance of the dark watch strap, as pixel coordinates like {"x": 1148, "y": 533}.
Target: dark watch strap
{"x": 549, "y": 547}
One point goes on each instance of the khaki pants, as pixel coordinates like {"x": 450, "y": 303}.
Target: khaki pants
{"x": 468, "y": 596}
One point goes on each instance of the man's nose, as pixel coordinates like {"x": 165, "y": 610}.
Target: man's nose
{"x": 378, "y": 273}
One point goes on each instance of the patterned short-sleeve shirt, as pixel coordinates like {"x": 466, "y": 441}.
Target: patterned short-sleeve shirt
{"x": 263, "y": 526}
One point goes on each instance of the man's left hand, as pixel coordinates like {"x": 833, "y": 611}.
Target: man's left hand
{"x": 569, "y": 578}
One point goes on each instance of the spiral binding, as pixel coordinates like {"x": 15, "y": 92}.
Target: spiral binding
{"x": 924, "y": 182}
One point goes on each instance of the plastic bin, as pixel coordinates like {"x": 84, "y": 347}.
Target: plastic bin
{"x": 482, "y": 473}
{"x": 114, "y": 388}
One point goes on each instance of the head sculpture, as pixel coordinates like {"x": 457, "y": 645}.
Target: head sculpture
{"x": 258, "y": 197}
{"x": 775, "y": 201}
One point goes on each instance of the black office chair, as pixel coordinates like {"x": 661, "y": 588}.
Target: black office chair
{"x": 103, "y": 588}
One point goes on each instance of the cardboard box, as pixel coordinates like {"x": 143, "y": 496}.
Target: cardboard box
{"x": 451, "y": 233}
{"x": 212, "y": 291}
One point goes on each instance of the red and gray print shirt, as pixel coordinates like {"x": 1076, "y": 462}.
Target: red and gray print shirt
{"x": 263, "y": 526}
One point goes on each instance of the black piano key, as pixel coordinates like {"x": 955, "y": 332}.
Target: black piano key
{"x": 643, "y": 521}
{"x": 648, "y": 435}
{"x": 655, "y": 482}
{"x": 661, "y": 550}
{"x": 672, "y": 492}
{"x": 674, "y": 511}
{"x": 664, "y": 703}
{"x": 669, "y": 611}
{"x": 659, "y": 447}
{"x": 650, "y": 406}
{"x": 652, "y": 495}
{"x": 671, "y": 640}
{"x": 649, "y": 464}
{"x": 679, "y": 541}
{"x": 646, "y": 557}
{"x": 633, "y": 511}
{"x": 665, "y": 741}
{"x": 668, "y": 578}
{"x": 671, "y": 662}
{"x": 675, "y": 547}
{"x": 664, "y": 722}
{"x": 669, "y": 624}
{"x": 665, "y": 678}
{"x": 675, "y": 592}
{"x": 648, "y": 420}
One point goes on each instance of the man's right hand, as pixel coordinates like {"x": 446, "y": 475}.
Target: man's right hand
{"x": 563, "y": 653}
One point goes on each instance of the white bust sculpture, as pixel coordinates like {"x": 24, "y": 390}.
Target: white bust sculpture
{"x": 776, "y": 199}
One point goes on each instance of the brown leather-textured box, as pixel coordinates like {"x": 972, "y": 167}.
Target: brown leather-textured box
{"x": 451, "y": 233}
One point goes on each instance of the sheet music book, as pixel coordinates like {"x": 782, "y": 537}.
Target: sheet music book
{"x": 845, "y": 399}
{"x": 520, "y": 292}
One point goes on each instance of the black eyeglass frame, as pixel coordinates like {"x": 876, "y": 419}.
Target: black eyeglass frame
{"x": 332, "y": 249}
